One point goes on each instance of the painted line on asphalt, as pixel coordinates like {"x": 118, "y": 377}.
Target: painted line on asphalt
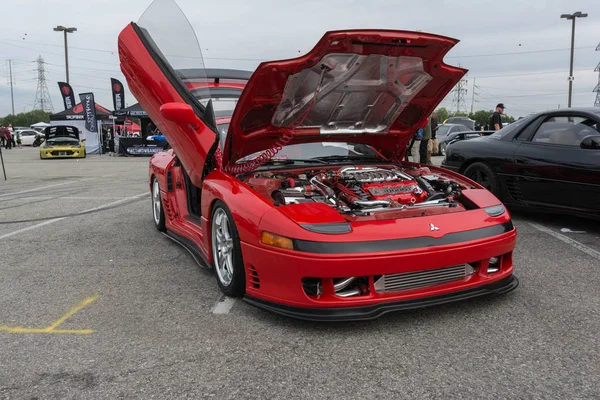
{"x": 572, "y": 242}
{"x": 70, "y": 198}
{"x": 51, "y": 221}
{"x": 42, "y": 188}
{"x": 224, "y": 305}
{"x": 114, "y": 203}
{"x": 56, "y": 324}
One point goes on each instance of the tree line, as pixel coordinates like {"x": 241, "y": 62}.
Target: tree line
{"x": 480, "y": 116}
{"x": 25, "y": 118}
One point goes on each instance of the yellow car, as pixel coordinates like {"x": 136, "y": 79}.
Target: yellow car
{"x": 62, "y": 142}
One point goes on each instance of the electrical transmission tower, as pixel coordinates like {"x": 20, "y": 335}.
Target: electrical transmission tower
{"x": 42, "y": 101}
{"x": 597, "y": 88}
{"x": 460, "y": 93}
{"x": 473, "y": 101}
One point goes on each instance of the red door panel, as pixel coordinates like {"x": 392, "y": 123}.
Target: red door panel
{"x": 153, "y": 83}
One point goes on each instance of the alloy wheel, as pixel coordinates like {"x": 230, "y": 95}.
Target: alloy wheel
{"x": 222, "y": 247}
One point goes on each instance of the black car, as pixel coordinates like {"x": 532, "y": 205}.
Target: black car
{"x": 548, "y": 161}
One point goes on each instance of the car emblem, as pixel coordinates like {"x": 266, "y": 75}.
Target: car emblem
{"x": 432, "y": 227}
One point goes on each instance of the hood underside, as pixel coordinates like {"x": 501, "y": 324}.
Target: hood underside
{"x": 374, "y": 87}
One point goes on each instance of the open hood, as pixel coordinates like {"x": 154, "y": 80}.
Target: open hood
{"x": 59, "y": 131}
{"x": 374, "y": 87}
{"x": 364, "y": 86}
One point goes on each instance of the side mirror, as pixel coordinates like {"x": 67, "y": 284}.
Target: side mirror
{"x": 590, "y": 142}
{"x": 83, "y": 140}
{"x": 181, "y": 113}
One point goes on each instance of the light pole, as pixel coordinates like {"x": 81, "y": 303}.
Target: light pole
{"x": 572, "y": 17}
{"x": 65, "y": 30}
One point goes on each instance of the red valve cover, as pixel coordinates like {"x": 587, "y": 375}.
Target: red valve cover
{"x": 404, "y": 192}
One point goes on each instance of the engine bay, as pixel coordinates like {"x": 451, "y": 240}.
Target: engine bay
{"x": 359, "y": 190}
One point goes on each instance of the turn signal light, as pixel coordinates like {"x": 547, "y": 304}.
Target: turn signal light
{"x": 277, "y": 241}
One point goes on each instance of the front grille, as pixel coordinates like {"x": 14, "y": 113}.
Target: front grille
{"x": 62, "y": 153}
{"x": 420, "y": 279}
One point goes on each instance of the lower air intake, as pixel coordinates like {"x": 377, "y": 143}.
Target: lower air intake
{"x": 421, "y": 279}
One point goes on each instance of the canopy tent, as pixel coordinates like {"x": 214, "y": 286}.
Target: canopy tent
{"x": 40, "y": 125}
{"x": 132, "y": 111}
{"x": 74, "y": 116}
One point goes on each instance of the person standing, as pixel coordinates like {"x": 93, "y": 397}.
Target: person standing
{"x": 496, "y": 119}
{"x": 424, "y": 145}
{"x": 413, "y": 149}
{"x": 7, "y": 138}
{"x": 433, "y": 147}
{"x": 18, "y": 139}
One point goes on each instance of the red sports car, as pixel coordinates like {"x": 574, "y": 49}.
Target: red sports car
{"x": 289, "y": 181}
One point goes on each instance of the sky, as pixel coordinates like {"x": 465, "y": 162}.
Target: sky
{"x": 517, "y": 52}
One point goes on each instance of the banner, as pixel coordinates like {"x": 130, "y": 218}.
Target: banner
{"x": 118, "y": 93}
{"x": 89, "y": 111}
{"x": 67, "y": 94}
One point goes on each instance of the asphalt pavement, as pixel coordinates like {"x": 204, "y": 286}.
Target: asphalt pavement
{"x": 95, "y": 303}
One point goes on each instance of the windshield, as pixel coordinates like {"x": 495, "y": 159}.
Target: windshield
{"x": 443, "y": 130}
{"x": 307, "y": 151}
{"x": 509, "y": 128}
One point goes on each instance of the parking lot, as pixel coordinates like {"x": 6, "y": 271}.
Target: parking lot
{"x": 96, "y": 303}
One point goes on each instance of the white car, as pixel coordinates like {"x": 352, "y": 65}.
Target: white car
{"x": 27, "y": 136}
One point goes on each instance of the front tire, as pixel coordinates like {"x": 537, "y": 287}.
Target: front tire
{"x": 485, "y": 176}
{"x": 226, "y": 252}
{"x": 158, "y": 213}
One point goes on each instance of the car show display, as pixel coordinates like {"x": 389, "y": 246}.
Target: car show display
{"x": 299, "y": 200}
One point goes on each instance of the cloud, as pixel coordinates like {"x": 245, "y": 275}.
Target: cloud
{"x": 237, "y": 34}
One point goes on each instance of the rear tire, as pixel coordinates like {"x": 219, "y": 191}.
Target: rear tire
{"x": 484, "y": 175}
{"x": 158, "y": 213}
{"x": 226, "y": 252}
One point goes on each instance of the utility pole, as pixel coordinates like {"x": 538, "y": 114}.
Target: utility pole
{"x": 597, "y": 88}
{"x": 572, "y": 17}
{"x": 12, "y": 96}
{"x": 473, "y": 95}
{"x": 65, "y": 30}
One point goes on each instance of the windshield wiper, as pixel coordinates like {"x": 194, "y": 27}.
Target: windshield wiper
{"x": 348, "y": 158}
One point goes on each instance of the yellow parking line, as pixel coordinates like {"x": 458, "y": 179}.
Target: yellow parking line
{"x": 56, "y": 324}
{"x": 72, "y": 312}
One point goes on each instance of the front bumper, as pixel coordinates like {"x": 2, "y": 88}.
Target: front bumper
{"x": 275, "y": 278}
{"x": 377, "y": 310}
{"x": 53, "y": 152}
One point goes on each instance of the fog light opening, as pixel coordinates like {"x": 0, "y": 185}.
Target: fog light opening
{"x": 494, "y": 264}
{"x": 313, "y": 287}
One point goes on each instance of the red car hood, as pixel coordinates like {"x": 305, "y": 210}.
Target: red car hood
{"x": 363, "y": 86}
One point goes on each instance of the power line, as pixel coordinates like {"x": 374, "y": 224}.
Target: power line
{"x": 520, "y": 52}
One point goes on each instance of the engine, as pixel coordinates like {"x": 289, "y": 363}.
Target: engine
{"x": 360, "y": 189}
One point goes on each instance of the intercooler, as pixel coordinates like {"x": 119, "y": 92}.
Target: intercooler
{"x": 420, "y": 279}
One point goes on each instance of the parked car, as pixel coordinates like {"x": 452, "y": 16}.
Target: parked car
{"x": 469, "y": 123}
{"x": 62, "y": 142}
{"x": 27, "y": 136}
{"x": 447, "y": 129}
{"x": 306, "y": 209}
{"x": 549, "y": 161}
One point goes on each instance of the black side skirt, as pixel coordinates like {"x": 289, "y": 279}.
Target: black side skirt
{"x": 194, "y": 251}
{"x": 377, "y": 310}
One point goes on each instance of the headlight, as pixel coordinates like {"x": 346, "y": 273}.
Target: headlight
{"x": 495, "y": 211}
{"x": 272, "y": 239}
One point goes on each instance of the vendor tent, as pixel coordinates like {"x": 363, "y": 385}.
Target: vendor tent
{"x": 132, "y": 111}
{"x": 40, "y": 125}
{"x": 74, "y": 116}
